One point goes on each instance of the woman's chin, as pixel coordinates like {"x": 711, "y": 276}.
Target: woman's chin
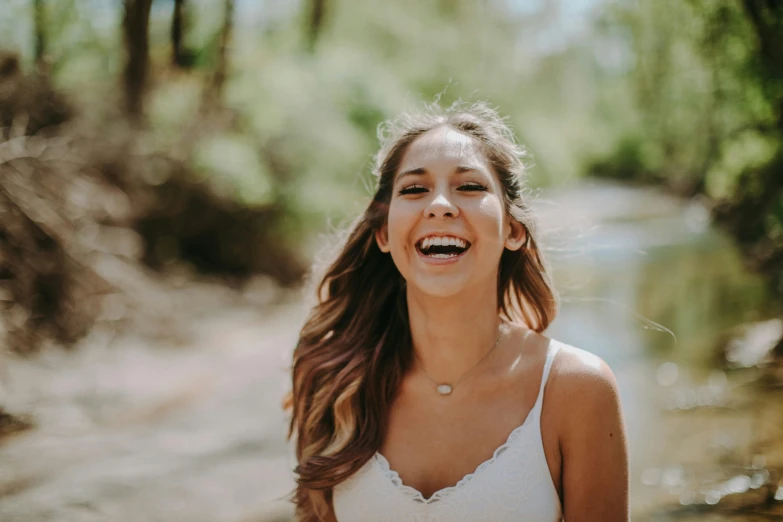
{"x": 442, "y": 285}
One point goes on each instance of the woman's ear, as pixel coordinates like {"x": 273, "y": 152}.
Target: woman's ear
{"x": 382, "y": 238}
{"x": 516, "y": 235}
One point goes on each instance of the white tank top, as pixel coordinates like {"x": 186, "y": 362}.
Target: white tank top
{"x": 514, "y": 485}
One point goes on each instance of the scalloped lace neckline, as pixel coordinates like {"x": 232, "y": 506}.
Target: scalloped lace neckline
{"x": 418, "y": 496}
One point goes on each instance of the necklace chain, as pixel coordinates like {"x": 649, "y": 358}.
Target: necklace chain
{"x": 445, "y": 388}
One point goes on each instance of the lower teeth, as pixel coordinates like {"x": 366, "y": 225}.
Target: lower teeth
{"x": 443, "y": 256}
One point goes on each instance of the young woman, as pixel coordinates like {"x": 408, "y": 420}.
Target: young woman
{"x": 423, "y": 388}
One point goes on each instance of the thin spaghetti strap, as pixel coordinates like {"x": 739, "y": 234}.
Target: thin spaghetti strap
{"x": 551, "y": 351}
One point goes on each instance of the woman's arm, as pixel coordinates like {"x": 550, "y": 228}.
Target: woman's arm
{"x": 592, "y": 441}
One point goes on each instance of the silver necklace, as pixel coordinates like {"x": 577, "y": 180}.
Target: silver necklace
{"x": 445, "y": 388}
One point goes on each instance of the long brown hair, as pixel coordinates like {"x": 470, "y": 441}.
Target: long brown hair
{"x": 355, "y": 346}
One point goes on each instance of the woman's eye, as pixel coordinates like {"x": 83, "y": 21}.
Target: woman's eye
{"x": 472, "y": 187}
{"x": 413, "y": 189}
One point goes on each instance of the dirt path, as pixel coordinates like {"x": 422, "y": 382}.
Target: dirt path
{"x": 131, "y": 431}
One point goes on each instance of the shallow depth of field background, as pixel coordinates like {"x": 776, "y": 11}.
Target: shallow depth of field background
{"x": 169, "y": 171}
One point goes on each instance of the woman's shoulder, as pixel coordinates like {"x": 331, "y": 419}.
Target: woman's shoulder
{"x": 576, "y": 365}
{"x": 580, "y": 379}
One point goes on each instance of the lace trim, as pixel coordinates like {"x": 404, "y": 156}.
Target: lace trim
{"x": 417, "y": 496}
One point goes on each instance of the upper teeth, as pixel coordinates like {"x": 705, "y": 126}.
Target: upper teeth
{"x": 442, "y": 241}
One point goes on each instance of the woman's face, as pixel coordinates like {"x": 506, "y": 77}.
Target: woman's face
{"x": 447, "y": 224}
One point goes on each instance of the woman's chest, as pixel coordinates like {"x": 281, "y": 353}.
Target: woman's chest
{"x": 434, "y": 445}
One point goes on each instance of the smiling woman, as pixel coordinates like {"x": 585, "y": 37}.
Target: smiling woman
{"x": 423, "y": 386}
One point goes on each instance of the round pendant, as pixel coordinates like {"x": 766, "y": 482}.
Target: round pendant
{"x": 444, "y": 389}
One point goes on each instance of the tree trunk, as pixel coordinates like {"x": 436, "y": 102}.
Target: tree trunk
{"x": 315, "y": 23}
{"x": 40, "y": 35}
{"x": 135, "y": 27}
{"x": 224, "y": 42}
{"x": 179, "y": 56}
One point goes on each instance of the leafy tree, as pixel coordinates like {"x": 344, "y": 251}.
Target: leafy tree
{"x": 708, "y": 88}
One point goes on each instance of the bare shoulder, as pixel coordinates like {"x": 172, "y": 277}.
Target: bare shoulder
{"x": 582, "y": 386}
{"x": 579, "y": 370}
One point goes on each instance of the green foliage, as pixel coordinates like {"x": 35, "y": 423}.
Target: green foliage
{"x": 632, "y": 159}
{"x": 669, "y": 91}
{"x": 701, "y": 97}
{"x": 231, "y": 163}
{"x": 373, "y": 59}
{"x": 749, "y": 151}
{"x": 171, "y": 106}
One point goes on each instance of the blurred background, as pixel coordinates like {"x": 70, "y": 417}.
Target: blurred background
{"x": 170, "y": 169}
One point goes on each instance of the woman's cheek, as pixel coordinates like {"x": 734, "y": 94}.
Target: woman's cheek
{"x": 401, "y": 220}
{"x": 490, "y": 213}
{"x": 398, "y": 231}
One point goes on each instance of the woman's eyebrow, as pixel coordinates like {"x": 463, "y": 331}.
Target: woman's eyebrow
{"x": 417, "y": 171}
{"x": 460, "y": 169}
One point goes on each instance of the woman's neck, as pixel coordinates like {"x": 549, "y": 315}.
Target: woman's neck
{"x": 450, "y": 335}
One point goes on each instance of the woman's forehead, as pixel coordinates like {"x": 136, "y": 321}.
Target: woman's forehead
{"x": 443, "y": 144}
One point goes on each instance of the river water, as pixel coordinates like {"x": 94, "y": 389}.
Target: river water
{"x": 134, "y": 429}
{"x": 653, "y": 289}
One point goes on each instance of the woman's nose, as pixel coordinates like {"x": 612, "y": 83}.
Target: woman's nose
{"x": 442, "y": 206}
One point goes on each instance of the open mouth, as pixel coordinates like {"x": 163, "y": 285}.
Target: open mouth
{"x": 442, "y": 247}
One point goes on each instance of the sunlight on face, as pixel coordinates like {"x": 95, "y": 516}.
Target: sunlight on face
{"x": 447, "y": 225}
